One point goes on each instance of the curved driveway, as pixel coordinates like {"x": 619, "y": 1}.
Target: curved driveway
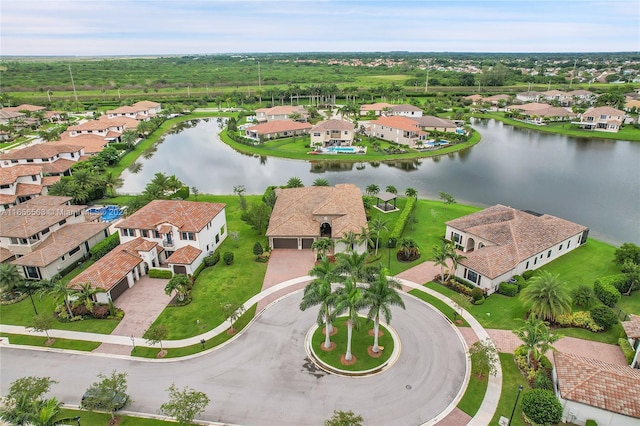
{"x": 264, "y": 378}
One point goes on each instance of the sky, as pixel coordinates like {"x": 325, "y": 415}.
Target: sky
{"x": 157, "y": 27}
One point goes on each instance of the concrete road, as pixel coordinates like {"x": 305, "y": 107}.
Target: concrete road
{"x": 264, "y": 377}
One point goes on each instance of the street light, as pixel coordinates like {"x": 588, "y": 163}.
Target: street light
{"x": 27, "y": 285}
{"x": 203, "y": 342}
{"x": 389, "y": 247}
{"x": 516, "y": 403}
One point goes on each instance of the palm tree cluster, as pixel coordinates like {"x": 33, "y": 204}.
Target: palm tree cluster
{"x": 160, "y": 187}
{"x": 443, "y": 253}
{"x": 347, "y": 287}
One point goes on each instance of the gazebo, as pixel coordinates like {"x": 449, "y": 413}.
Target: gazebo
{"x": 386, "y": 197}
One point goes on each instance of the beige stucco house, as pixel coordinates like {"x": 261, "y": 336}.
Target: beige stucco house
{"x": 332, "y": 133}
{"x": 603, "y": 119}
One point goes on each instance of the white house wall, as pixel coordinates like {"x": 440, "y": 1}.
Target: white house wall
{"x": 59, "y": 265}
{"x": 578, "y": 413}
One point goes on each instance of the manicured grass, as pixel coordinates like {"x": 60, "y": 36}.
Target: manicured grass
{"x": 630, "y": 304}
{"x": 511, "y": 379}
{"x": 221, "y": 283}
{"x": 76, "y": 345}
{"x": 446, "y": 310}
{"x": 473, "y": 396}
{"x": 240, "y": 324}
{"x": 360, "y": 341}
{"x": 610, "y": 336}
{"x": 102, "y": 419}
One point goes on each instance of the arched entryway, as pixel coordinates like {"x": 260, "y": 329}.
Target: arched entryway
{"x": 325, "y": 230}
{"x": 471, "y": 243}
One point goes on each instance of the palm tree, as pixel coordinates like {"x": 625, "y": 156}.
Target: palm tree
{"x": 79, "y": 194}
{"x": 349, "y": 239}
{"x": 47, "y": 412}
{"x": 409, "y": 248}
{"x": 61, "y": 188}
{"x": 365, "y": 237}
{"x": 294, "y": 182}
{"x": 349, "y": 298}
{"x": 111, "y": 182}
{"x": 173, "y": 183}
{"x": 352, "y": 264}
{"x": 128, "y": 137}
{"x": 10, "y": 277}
{"x": 376, "y": 226}
{"x": 536, "y": 337}
{"x": 440, "y": 256}
{"x": 455, "y": 259}
{"x": 323, "y": 246}
{"x": 379, "y": 296}
{"x": 85, "y": 295}
{"x": 372, "y": 189}
{"x": 320, "y": 182}
{"x": 319, "y": 292}
{"x": 59, "y": 291}
{"x": 411, "y": 192}
{"x": 180, "y": 284}
{"x": 391, "y": 189}
{"x": 547, "y": 295}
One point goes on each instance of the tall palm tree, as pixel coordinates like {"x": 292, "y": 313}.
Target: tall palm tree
{"x": 10, "y": 277}
{"x": 111, "y": 182}
{"x": 61, "y": 188}
{"x": 349, "y": 239}
{"x": 323, "y": 246}
{"x": 536, "y": 337}
{"x": 349, "y": 299}
{"x": 547, "y": 295}
{"x": 440, "y": 256}
{"x": 85, "y": 295}
{"x": 58, "y": 290}
{"x": 129, "y": 137}
{"x": 376, "y": 226}
{"x": 352, "y": 264}
{"x": 391, "y": 189}
{"x": 372, "y": 189}
{"x": 173, "y": 183}
{"x": 365, "y": 237}
{"x": 379, "y": 296}
{"x": 411, "y": 192}
{"x": 455, "y": 259}
{"x": 319, "y": 292}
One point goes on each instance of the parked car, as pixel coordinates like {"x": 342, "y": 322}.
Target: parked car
{"x": 92, "y": 400}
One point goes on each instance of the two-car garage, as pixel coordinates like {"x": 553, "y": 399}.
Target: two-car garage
{"x": 292, "y": 243}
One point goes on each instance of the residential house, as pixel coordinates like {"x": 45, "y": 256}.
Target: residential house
{"x": 563, "y": 98}
{"x": 500, "y": 242}
{"x": 590, "y": 389}
{"x": 55, "y": 159}
{"x": 603, "y": 119}
{"x": 497, "y": 100}
{"x": 475, "y": 99}
{"x": 9, "y": 115}
{"x": 47, "y": 235}
{"x": 528, "y": 96}
{"x": 21, "y": 183}
{"x": 631, "y": 103}
{"x": 90, "y": 143}
{"x": 401, "y": 130}
{"x": 27, "y": 108}
{"x": 281, "y": 112}
{"x": 540, "y": 112}
{"x": 277, "y": 129}
{"x": 170, "y": 234}
{"x": 109, "y": 128}
{"x": 632, "y": 330}
{"x": 582, "y": 96}
{"x": 303, "y": 215}
{"x": 332, "y": 133}
{"x": 143, "y": 110}
{"x": 406, "y": 110}
{"x": 377, "y": 108}
{"x": 431, "y": 123}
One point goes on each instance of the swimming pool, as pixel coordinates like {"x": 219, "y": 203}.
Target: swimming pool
{"x": 108, "y": 213}
{"x": 344, "y": 149}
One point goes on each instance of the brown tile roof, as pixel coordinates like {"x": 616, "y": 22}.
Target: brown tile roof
{"x": 184, "y": 255}
{"x": 333, "y": 124}
{"x": 28, "y": 107}
{"x": 50, "y": 180}
{"x": 611, "y": 387}
{"x": 283, "y": 110}
{"x": 8, "y": 114}
{"x": 61, "y": 165}
{"x": 9, "y": 175}
{"x": 279, "y": 126}
{"x": 146, "y": 104}
{"x": 61, "y": 242}
{"x": 531, "y": 106}
{"x": 23, "y": 189}
{"x": 5, "y": 254}
{"x": 405, "y": 107}
{"x": 91, "y": 143}
{"x": 521, "y": 234}
{"x": 127, "y": 122}
{"x": 187, "y": 216}
{"x": 32, "y": 216}
{"x": 398, "y": 122}
{"x": 431, "y": 121}
{"x": 632, "y": 327}
{"x": 379, "y": 106}
{"x": 295, "y": 209}
{"x": 7, "y": 199}
{"x": 41, "y": 150}
{"x": 114, "y": 266}
{"x": 496, "y": 98}
{"x": 604, "y": 110}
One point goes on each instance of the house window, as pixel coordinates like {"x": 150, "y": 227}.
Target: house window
{"x": 568, "y": 243}
{"x": 74, "y": 251}
{"x": 45, "y": 231}
{"x": 5, "y": 186}
{"x": 535, "y": 261}
{"x": 188, "y": 236}
{"x": 32, "y": 272}
{"x": 156, "y": 234}
{"x": 456, "y": 237}
{"x": 62, "y": 222}
{"x": 34, "y": 178}
{"x": 472, "y": 276}
{"x": 317, "y": 134}
{"x": 560, "y": 248}
{"x": 527, "y": 265}
{"x": 222, "y": 230}
{"x": 127, "y": 232}
{"x": 217, "y": 238}
{"x": 30, "y": 160}
{"x": 549, "y": 254}
{"x": 145, "y": 233}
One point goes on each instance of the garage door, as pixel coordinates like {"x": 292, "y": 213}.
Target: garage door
{"x": 119, "y": 288}
{"x": 285, "y": 243}
{"x": 180, "y": 269}
{"x": 306, "y": 243}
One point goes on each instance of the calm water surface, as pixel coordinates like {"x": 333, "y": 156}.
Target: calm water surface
{"x": 592, "y": 182}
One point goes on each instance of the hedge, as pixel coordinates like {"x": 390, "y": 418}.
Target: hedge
{"x": 228, "y": 257}
{"x": 604, "y": 316}
{"x": 401, "y": 223}
{"x": 213, "y": 259}
{"x": 160, "y": 273}
{"x": 580, "y": 319}
{"x": 606, "y": 292}
{"x": 199, "y": 269}
{"x": 619, "y": 281}
{"x": 626, "y": 348}
{"x": 542, "y": 406}
{"x": 105, "y": 246}
{"x": 528, "y": 274}
{"x": 508, "y": 289}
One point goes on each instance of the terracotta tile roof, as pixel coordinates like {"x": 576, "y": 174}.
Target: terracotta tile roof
{"x": 32, "y": 216}
{"x": 9, "y": 175}
{"x": 23, "y": 189}
{"x": 473, "y": 97}
{"x": 41, "y": 150}
{"x": 146, "y": 104}
{"x": 279, "y": 126}
{"x": 611, "y": 387}
{"x": 397, "y": 122}
{"x": 496, "y": 98}
{"x": 50, "y": 180}
{"x": 8, "y": 114}
{"x": 121, "y": 121}
{"x": 187, "y": 216}
{"x": 114, "y": 266}
{"x": 632, "y": 327}
{"x": 28, "y": 107}
{"x": 296, "y": 208}
{"x": 531, "y": 106}
{"x": 379, "y": 106}
{"x": 405, "y": 107}
{"x": 580, "y": 92}
{"x": 521, "y": 234}
{"x": 61, "y": 165}
{"x": 333, "y": 125}
{"x": 184, "y": 255}
{"x": 604, "y": 110}
{"x": 542, "y": 110}
{"x": 5, "y": 254}
{"x": 7, "y": 199}
{"x": 91, "y": 143}
{"x": 283, "y": 110}
{"x": 431, "y": 121}
{"x": 61, "y": 242}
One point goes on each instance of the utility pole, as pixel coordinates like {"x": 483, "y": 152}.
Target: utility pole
{"x": 75, "y": 94}
{"x": 573, "y": 74}
{"x": 426, "y": 81}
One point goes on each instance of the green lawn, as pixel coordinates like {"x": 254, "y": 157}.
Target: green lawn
{"x": 76, "y": 345}
{"x": 511, "y": 379}
{"x": 359, "y": 343}
{"x": 446, "y": 310}
{"x": 473, "y": 396}
{"x": 102, "y": 419}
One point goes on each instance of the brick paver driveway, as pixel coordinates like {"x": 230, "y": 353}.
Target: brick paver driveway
{"x": 141, "y": 304}
{"x": 285, "y": 264}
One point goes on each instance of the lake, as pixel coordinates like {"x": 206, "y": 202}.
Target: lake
{"x": 594, "y": 182}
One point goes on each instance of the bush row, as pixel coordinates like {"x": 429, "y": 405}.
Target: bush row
{"x": 508, "y": 289}
{"x": 581, "y": 319}
{"x": 620, "y": 282}
{"x": 212, "y": 260}
{"x": 401, "y": 223}
{"x": 160, "y": 273}
{"x": 626, "y": 348}
{"x": 105, "y": 246}
{"x": 606, "y": 292}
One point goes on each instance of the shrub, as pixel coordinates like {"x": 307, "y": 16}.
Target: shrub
{"x": 199, "y": 269}
{"x": 105, "y": 246}
{"x": 477, "y": 294}
{"x": 479, "y": 301}
{"x": 227, "y": 257}
{"x": 508, "y": 289}
{"x": 182, "y": 193}
{"x": 160, "y": 273}
{"x": 591, "y": 423}
{"x": 583, "y": 296}
{"x": 401, "y": 223}
{"x": 604, "y": 316}
{"x": 542, "y": 381}
{"x": 626, "y": 348}
{"x": 213, "y": 259}
{"x": 619, "y": 281}
{"x": 541, "y": 406}
{"x": 257, "y": 249}
{"x": 528, "y": 274}
{"x": 100, "y": 311}
{"x": 607, "y": 293}
{"x": 580, "y": 319}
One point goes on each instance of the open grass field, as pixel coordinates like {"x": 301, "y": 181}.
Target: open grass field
{"x": 511, "y": 379}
